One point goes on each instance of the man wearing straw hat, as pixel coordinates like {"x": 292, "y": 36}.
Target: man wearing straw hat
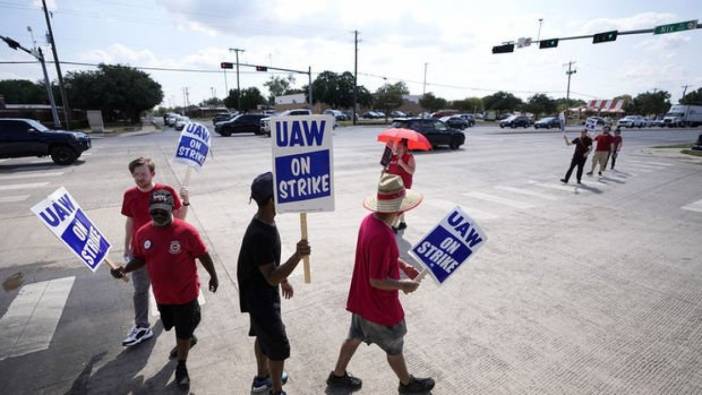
{"x": 376, "y": 313}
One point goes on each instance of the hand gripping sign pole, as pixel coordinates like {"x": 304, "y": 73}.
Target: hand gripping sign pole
{"x": 303, "y": 176}
{"x": 193, "y": 147}
{"x": 69, "y": 223}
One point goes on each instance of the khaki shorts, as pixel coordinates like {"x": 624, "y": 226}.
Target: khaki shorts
{"x": 389, "y": 338}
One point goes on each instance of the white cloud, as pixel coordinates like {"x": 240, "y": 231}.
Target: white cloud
{"x": 123, "y": 54}
{"x": 194, "y": 26}
{"x": 639, "y": 21}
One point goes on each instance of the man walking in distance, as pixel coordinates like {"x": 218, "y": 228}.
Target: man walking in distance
{"x": 135, "y": 206}
{"x": 402, "y": 164}
{"x": 259, "y": 271}
{"x": 602, "y": 150}
{"x": 582, "y": 149}
{"x": 376, "y": 313}
{"x": 616, "y": 145}
{"x": 168, "y": 248}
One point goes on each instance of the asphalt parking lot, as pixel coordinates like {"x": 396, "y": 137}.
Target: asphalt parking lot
{"x": 580, "y": 289}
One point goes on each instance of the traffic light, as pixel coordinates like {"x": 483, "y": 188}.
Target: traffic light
{"x": 503, "y": 48}
{"x": 11, "y": 43}
{"x": 261, "y": 68}
{"x": 604, "y": 37}
{"x": 226, "y": 65}
{"x": 550, "y": 43}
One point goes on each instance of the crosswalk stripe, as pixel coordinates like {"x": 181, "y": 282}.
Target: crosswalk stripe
{"x": 498, "y": 199}
{"x": 23, "y": 186}
{"x": 640, "y": 169}
{"x": 446, "y": 205}
{"x": 650, "y": 162}
{"x": 31, "y": 320}
{"x": 13, "y": 199}
{"x": 526, "y": 192}
{"x": 558, "y": 187}
{"x": 3, "y": 160}
{"x": 31, "y": 175}
{"x": 694, "y": 206}
{"x": 646, "y": 166}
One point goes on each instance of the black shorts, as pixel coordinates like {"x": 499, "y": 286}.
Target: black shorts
{"x": 269, "y": 330}
{"x": 185, "y": 317}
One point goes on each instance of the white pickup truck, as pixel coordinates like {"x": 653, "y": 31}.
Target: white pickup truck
{"x": 266, "y": 122}
{"x": 681, "y": 115}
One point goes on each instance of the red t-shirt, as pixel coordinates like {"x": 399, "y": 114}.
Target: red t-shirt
{"x": 376, "y": 258}
{"x": 136, "y": 204}
{"x": 616, "y": 140}
{"x": 394, "y": 168}
{"x": 170, "y": 254}
{"x": 604, "y": 142}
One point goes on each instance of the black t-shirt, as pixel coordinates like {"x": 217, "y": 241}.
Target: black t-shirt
{"x": 582, "y": 145}
{"x": 261, "y": 246}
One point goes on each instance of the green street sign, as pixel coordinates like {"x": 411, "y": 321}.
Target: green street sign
{"x": 676, "y": 27}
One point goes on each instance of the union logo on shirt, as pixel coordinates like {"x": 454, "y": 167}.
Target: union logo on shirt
{"x": 174, "y": 247}
{"x": 147, "y": 244}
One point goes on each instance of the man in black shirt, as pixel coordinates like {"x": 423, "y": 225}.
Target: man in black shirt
{"x": 582, "y": 149}
{"x": 259, "y": 272}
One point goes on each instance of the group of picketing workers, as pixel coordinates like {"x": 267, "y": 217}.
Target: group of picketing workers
{"x": 161, "y": 250}
{"x": 607, "y": 148}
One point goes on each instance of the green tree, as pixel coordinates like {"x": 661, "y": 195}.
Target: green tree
{"x": 365, "y": 97}
{"x": 278, "y": 86}
{"x": 212, "y": 102}
{"x": 430, "y": 102}
{"x": 502, "y": 101}
{"x": 469, "y": 104}
{"x": 389, "y": 97}
{"x": 563, "y": 104}
{"x": 118, "y": 91}
{"x": 694, "y": 97}
{"x": 540, "y": 104}
{"x": 650, "y": 103}
{"x": 23, "y": 92}
{"x": 250, "y": 99}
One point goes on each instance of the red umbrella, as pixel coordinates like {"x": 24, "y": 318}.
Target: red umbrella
{"x": 415, "y": 140}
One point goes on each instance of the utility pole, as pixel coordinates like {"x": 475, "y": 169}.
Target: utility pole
{"x": 538, "y": 36}
{"x": 212, "y": 89}
{"x": 309, "y": 85}
{"x": 355, "y": 73}
{"x": 39, "y": 55}
{"x": 684, "y": 92}
{"x": 238, "y": 88}
{"x": 186, "y": 99}
{"x": 424, "y": 90}
{"x": 570, "y": 72}
{"x": 57, "y": 63}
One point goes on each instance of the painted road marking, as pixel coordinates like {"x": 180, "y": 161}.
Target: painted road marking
{"x": 32, "y": 175}
{"x": 526, "y": 192}
{"x": 694, "y": 206}
{"x": 446, "y": 205}
{"x": 499, "y": 200}
{"x": 559, "y": 187}
{"x": 649, "y": 162}
{"x": 13, "y": 199}
{"x": 23, "y": 186}
{"x": 31, "y": 320}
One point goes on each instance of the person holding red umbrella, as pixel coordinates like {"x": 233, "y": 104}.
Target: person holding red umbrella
{"x": 402, "y": 164}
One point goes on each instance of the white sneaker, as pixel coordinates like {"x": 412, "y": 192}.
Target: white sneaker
{"x": 137, "y": 335}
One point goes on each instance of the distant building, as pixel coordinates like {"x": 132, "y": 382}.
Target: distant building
{"x": 298, "y": 98}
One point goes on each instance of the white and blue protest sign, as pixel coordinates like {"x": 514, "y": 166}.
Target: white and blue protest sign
{"x": 303, "y": 163}
{"x": 194, "y": 145}
{"x": 591, "y": 124}
{"x": 67, "y": 221}
{"x": 451, "y": 244}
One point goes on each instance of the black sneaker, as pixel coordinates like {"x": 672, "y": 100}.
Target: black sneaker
{"x": 579, "y": 182}
{"x": 417, "y": 385}
{"x": 563, "y": 180}
{"x": 182, "y": 378}
{"x": 277, "y": 393}
{"x": 346, "y": 381}
{"x": 589, "y": 173}
{"x": 600, "y": 173}
{"x": 261, "y": 384}
{"x": 402, "y": 226}
{"x": 174, "y": 351}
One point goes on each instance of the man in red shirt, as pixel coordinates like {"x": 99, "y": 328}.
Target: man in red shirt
{"x": 135, "y": 206}
{"x": 616, "y": 145}
{"x": 168, "y": 247}
{"x": 602, "y": 150}
{"x": 376, "y": 313}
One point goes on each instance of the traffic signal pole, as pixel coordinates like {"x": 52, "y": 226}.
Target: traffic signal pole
{"x": 57, "y": 63}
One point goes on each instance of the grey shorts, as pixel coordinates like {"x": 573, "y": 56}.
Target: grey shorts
{"x": 389, "y": 338}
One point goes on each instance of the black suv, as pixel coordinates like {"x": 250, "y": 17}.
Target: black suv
{"x": 437, "y": 132}
{"x": 27, "y": 137}
{"x": 516, "y": 121}
{"x": 244, "y": 123}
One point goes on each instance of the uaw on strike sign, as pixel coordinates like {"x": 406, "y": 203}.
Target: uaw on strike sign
{"x": 194, "y": 145}
{"x": 449, "y": 245}
{"x": 64, "y": 217}
{"x": 303, "y": 163}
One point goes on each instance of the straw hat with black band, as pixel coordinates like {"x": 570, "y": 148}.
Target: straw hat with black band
{"x": 392, "y": 197}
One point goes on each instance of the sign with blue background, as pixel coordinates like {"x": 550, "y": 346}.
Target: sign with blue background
{"x": 69, "y": 223}
{"x": 194, "y": 145}
{"x": 303, "y": 169}
{"x": 449, "y": 245}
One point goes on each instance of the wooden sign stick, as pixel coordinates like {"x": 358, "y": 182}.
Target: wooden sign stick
{"x": 306, "y": 259}
{"x": 112, "y": 265}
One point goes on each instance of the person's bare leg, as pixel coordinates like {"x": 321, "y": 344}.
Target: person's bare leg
{"x": 276, "y": 370}
{"x": 183, "y": 346}
{"x": 345, "y": 354}
{"x": 397, "y": 363}
{"x": 261, "y": 361}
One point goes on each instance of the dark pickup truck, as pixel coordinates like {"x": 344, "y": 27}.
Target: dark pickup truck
{"x": 27, "y": 137}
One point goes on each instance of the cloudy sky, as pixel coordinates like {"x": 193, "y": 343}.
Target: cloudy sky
{"x": 397, "y": 38}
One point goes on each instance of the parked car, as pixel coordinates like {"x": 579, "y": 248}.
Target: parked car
{"x": 338, "y": 115}
{"x": 601, "y": 122}
{"x": 242, "y": 123}
{"x": 632, "y": 121}
{"x": 373, "y": 115}
{"x": 436, "y": 131}
{"x": 444, "y": 113}
{"x": 181, "y": 121}
{"x": 516, "y": 121}
{"x": 266, "y": 122}
{"x": 547, "y": 123}
{"x": 398, "y": 114}
{"x": 455, "y": 122}
{"x": 470, "y": 118}
{"x": 20, "y": 137}
{"x": 170, "y": 118}
{"x": 224, "y": 116}
{"x": 655, "y": 123}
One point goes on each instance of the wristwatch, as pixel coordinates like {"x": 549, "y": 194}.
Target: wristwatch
{"x": 186, "y": 204}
